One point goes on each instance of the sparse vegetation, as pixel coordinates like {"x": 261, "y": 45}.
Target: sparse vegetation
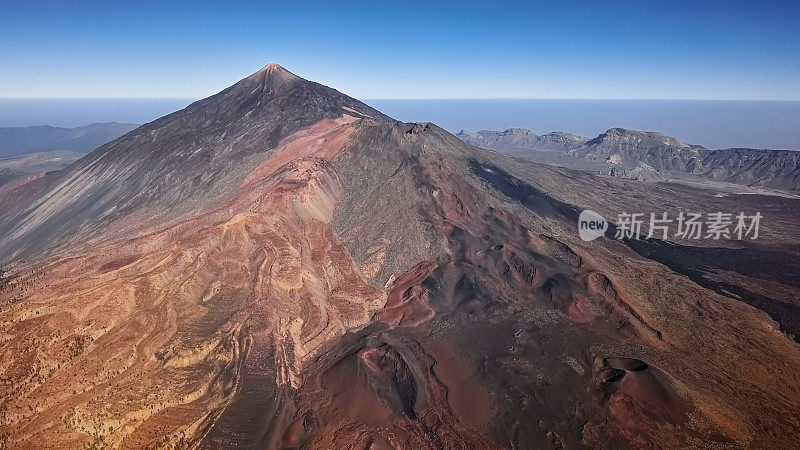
{"x": 76, "y": 345}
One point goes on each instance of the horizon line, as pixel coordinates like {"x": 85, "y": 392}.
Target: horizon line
{"x": 435, "y": 98}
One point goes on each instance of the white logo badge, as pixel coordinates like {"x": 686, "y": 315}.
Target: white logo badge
{"x": 591, "y": 225}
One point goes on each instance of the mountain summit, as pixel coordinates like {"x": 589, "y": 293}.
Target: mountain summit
{"x": 273, "y": 78}
{"x": 281, "y": 266}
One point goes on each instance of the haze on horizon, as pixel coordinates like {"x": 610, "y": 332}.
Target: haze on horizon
{"x": 619, "y": 50}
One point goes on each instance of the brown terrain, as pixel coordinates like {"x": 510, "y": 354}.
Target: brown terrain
{"x": 282, "y": 266}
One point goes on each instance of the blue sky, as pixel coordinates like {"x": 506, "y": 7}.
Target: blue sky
{"x": 405, "y": 49}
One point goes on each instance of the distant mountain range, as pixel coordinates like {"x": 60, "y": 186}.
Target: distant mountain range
{"x": 23, "y": 140}
{"x": 648, "y": 156}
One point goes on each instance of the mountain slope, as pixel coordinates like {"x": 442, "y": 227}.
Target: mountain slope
{"x": 522, "y": 139}
{"x": 771, "y": 168}
{"x": 281, "y": 266}
{"x": 660, "y": 152}
{"x": 159, "y": 171}
{"x": 16, "y": 141}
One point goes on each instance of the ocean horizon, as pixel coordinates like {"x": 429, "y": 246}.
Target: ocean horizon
{"x": 711, "y": 123}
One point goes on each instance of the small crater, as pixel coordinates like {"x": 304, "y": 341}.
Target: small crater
{"x": 615, "y": 375}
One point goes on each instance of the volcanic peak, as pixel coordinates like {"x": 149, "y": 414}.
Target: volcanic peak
{"x": 273, "y": 78}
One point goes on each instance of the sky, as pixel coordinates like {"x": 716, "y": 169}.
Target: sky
{"x": 405, "y": 49}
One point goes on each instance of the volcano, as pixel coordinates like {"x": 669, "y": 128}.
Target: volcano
{"x": 282, "y": 266}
